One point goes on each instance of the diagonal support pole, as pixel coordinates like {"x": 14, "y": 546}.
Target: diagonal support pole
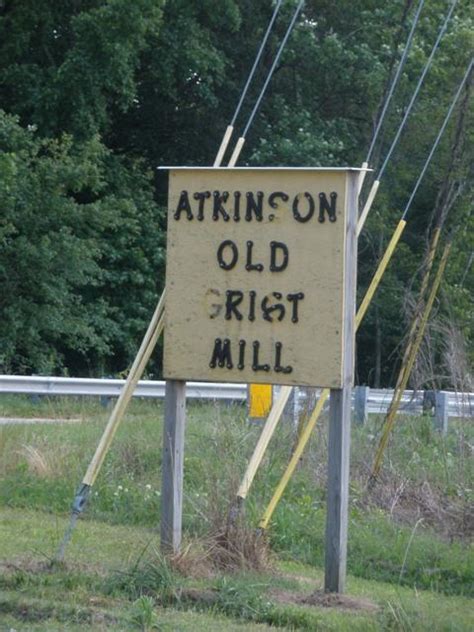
{"x": 407, "y": 368}
{"x": 306, "y": 434}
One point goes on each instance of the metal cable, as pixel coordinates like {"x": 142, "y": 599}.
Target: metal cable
{"x": 275, "y": 62}
{"x": 438, "y": 138}
{"x": 395, "y": 80}
{"x": 255, "y": 63}
{"x": 417, "y": 89}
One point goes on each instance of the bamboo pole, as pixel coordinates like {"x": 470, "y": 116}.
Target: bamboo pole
{"x": 419, "y": 305}
{"x": 305, "y": 435}
{"x": 380, "y": 271}
{"x": 394, "y": 406}
{"x": 295, "y": 457}
{"x": 223, "y": 147}
{"x": 363, "y": 173}
{"x": 146, "y": 349}
{"x": 263, "y": 441}
{"x": 236, "y": 153}
{"x": 368, "y": 206}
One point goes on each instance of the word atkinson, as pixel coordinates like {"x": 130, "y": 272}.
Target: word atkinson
{"x": 249, "y": 206}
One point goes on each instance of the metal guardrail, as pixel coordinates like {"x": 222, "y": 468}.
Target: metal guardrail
{"x": 378, "y": 400}
{"x": 78, "y": 386}
{"x": 459, "y": 404}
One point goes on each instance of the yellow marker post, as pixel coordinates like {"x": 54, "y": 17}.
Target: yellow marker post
{"x": 418, "y": 309}
{"x": 260, "y": 400}
{"x": 305, "y": 435}
{"x": 407, "y": 369}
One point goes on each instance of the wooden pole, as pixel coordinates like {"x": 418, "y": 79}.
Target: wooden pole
{"x": 363, "y": 173}
{"x": 236, "y": 153}
{"x": 295, "y": 457}
{"x": 337, "y": 491}
{"x": 146, "y": 349}
{"x": 223, "y": 147}
{"x": 340, "y": 417}
{"x": 441, "y": 411}
{"x": 360, "y": 404}
{"x": 306, "y": 434}
{"x": 407, "y": 369}
{"x": 263, "y": 441}
{"x": 368, "y": 206}
{"x": 172, "y": 467}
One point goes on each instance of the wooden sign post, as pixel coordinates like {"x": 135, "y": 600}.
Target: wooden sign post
{"x": 172, "y": 468}
{"x": 339, "y": 442}
{"x": 260, "y": 278}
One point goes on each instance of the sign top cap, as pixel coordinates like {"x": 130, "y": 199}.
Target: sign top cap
{"x": 210, "y": 168}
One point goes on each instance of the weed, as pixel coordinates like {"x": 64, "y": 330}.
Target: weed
{"x": 143, "y": 614}
{"x": 242, "y": 600}
{"x": 147, "y": 577}
{"x": 37, "y": 462}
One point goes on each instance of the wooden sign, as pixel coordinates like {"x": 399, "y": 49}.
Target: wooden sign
{"x": 255, "y": 275}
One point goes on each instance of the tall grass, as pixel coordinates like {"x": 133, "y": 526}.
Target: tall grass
{"x": 425, "y": 476}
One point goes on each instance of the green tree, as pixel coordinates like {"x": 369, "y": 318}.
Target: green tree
{"x": 124, "y": 87}
{"x": 82, "y": 252}
{"x": 76, "y": 251}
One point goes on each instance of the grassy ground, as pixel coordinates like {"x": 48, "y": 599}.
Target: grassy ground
{"x": 409, "y": 549}
{"x": 99, "y": 588}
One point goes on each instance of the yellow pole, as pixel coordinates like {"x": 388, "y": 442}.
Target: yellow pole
{"x": 146, "y": 349}
{"x": 391, "y": 414}
{"x": 237, "y": 149}
{"x": 138, "y": 366}
{"x": 380, "y": 271}
{"x": 368, "y": 206}
{"x": 263, "y": 441}
{"x": 305, "y": 435}
{"x": 418, "y": 309}
{"x": 363, "y": 173}
{"x": 295, "y": 457}
{"x": 223, "y": 147}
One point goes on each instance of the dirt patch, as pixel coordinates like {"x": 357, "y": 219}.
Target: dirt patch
{"x": 42, "y": 566}
{"x": 34, "y": 611}
{"x": 325, "y": 600}
{"x": 341, "y": 602}
{"x": 206, "y": 596}
{"x": 20, "y": 421}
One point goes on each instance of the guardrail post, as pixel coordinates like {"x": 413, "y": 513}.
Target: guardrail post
{"x": 429, "y": 402}
{"x": 172, "y": 466}
{"x": 441, "y": 411}
{"x": 106, "y": 399}
{"x": 361, "y": 396}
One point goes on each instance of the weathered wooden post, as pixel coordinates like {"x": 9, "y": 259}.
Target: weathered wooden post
{"x": 441, "y": 411}
{"x": 340, "y": 415}
{"x": 361, "y": 396}
{"x": 172, "y": 467}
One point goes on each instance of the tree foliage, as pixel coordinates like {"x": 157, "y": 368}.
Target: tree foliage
{"x": 96, "y": 94}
